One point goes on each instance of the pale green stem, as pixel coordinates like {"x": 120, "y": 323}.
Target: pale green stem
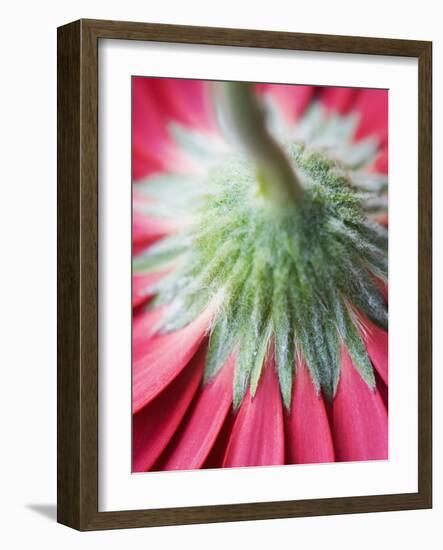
{"x": 246, "y": 118}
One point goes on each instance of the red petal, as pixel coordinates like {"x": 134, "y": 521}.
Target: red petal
{"x": 336, "y": 98}
{"x": 142, "y": 166}
{"x": 383, "y": 389}
{"x": 308, "y": 433}
{"x": 152, "y": 150}
{"x": 217, "y": 454}
{"x": 383, "y": 288}
{"x": 155, "y": 424}
{"x": 146, "y": 230}
{"x": 257, "y": 438}
{"x": 141, "y": 285}
{"x": 376, "y": 341}
{"x": 382, "y": 219}
{"x": 186, "y": 101}
{"x": 166, "y": 356}
{"x": 144, "y": 325}
{"x": 291, "y": 98}
{"x": 192, "y": 444}
{"x": 372, "y": 105}
{"x": 381, "y": 163}
{"x": 359, "y": 417}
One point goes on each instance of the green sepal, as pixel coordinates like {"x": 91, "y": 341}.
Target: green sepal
{"x": 196, "y": 144}
{"x": 284, "y": 345}
{"x": 326, "y": 353}
{"x": 260, "y": 357}
{"x": 370, "y": 181}
{"x": 361, "y": 153}
{"x": 160, "y": 254}
{"x": 182, "y": 312}
{"x": 221, "y": 345}
{"x": 176, "y": 190}
{"x": 366, "y": 296}
{"x": 243, "y": 368}
{"x": 358, "y": 353}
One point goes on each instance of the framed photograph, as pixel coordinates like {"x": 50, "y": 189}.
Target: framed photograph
{"x": 236, "y": 209}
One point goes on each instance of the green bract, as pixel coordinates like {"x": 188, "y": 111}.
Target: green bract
{"x": 293, "y": 281}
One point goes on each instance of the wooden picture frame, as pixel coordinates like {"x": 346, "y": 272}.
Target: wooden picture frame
{"x": 78, "y": 273}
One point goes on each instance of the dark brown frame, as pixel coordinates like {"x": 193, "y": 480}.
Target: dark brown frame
{"x": 77, "y": 456}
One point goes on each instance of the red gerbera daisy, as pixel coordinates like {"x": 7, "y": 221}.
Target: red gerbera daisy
{"x": 260, "y": 271}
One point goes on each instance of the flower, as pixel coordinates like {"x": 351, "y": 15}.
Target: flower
{"x": 259, "y": 323}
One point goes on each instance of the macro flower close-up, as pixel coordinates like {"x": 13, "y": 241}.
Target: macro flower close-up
{"x": 260, "y": 269}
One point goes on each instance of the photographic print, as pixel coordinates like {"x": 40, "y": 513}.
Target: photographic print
{"x": 259, "y": 277}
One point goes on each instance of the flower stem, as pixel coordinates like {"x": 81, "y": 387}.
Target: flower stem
{"x": 246, "y": 118}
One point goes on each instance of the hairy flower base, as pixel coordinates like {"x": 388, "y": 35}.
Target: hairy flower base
{"x": 291, "y": 281}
